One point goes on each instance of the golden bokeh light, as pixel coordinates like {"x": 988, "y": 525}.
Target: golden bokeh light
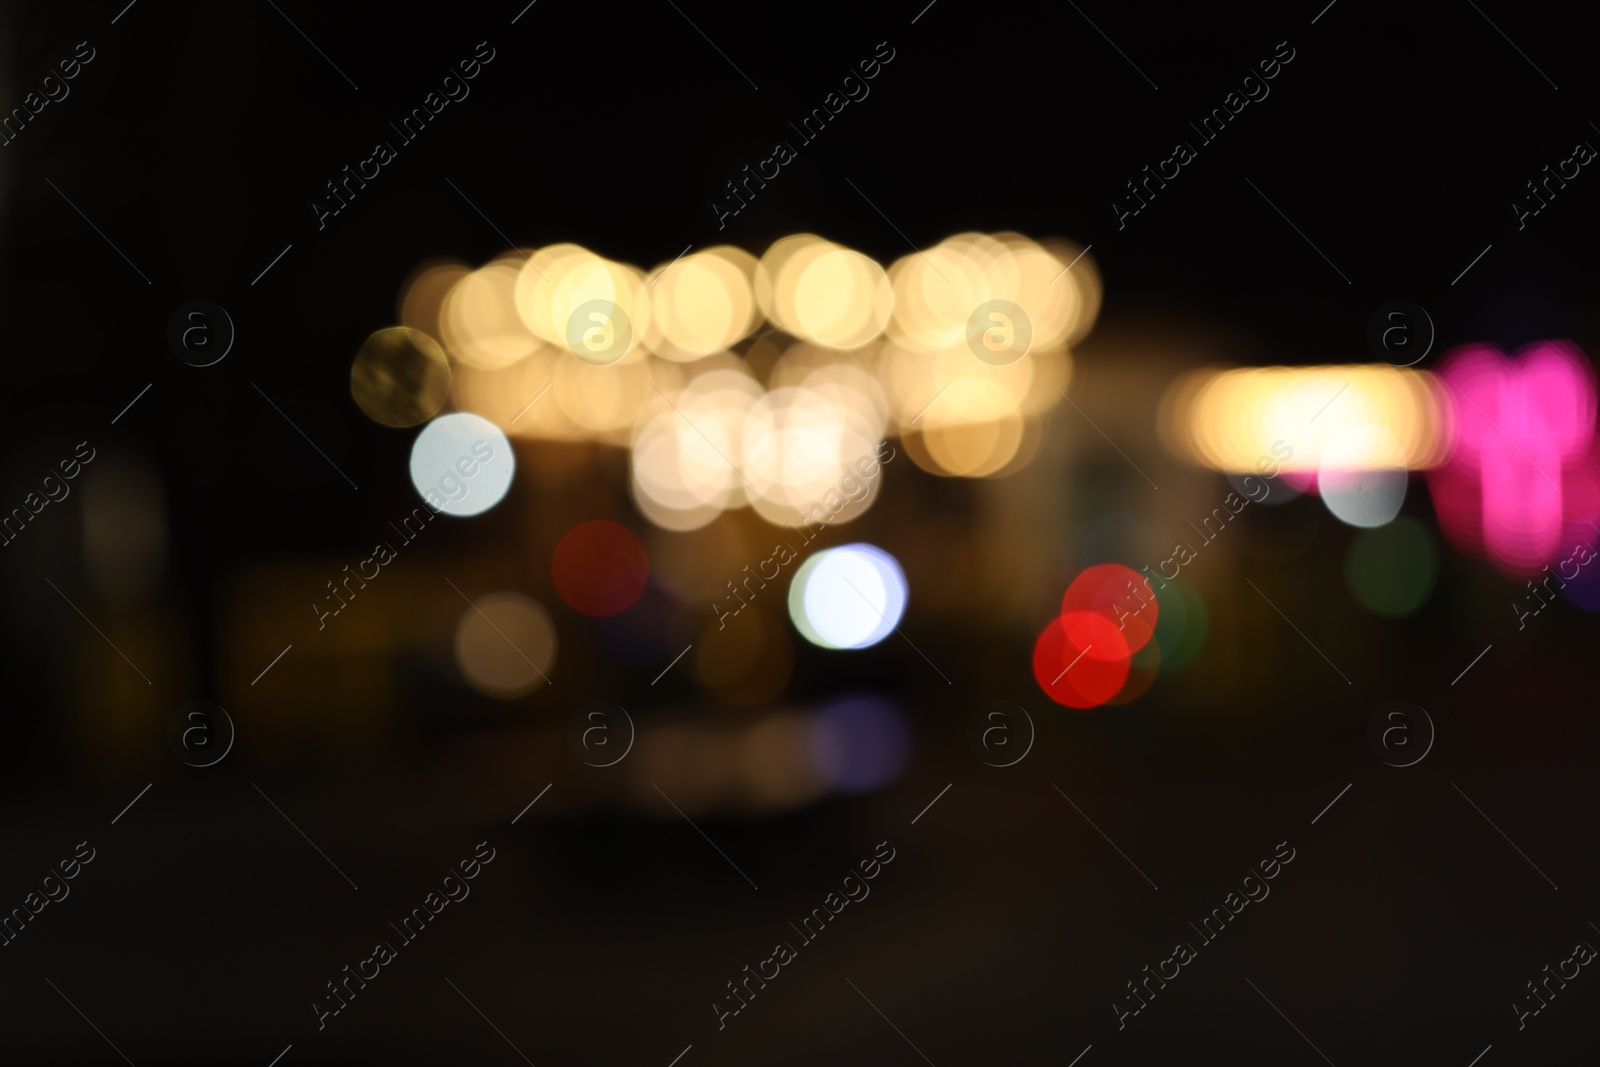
{"x": 971, "y": 433}
{"x": 1079, "y": 270}
{"x": 537, "y": 282}
{"x": 702, "y": 303}
{"x": 676, "y": 519}
{"x": 937, "y": 293}
{"x": 479, "y": 324}
{"x": 568, "y": 296}
{"x": 687, "y": 454}
{"x": 505, "y": 645}
{"x": 602, "y": 398}
{"x": 775, "y": 262}
{"x": 721, "y": 413}
{"x": 423, "y": 293}
{"x": 515, "y": 398}
{"x": 1229, "y": 419}
{"x": 841, "y": 299}
{"x": 400, "y": 377}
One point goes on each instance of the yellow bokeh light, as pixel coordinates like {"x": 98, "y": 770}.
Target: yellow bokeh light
{"x": 973, "y": 433}
{"x": 937, "y": 292}
{"x": 479, "y": 324}
{"x": 1229, "y": 419}
{"x": 702, "y": 303}
{"x": 602, "y": 398}
{"x": 840, "y": 298}
{"x": 423, "y": 293}
{"x": 688, "y": 451}
{"x": 514, "y": 398}
{"x": 722, "y": 412}
{"x": 559, "y": 289}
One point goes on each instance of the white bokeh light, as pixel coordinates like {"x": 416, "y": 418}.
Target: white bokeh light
{"x": 848, "y": 597}
{"x": 462, "y": 464}
{"x": 1363, "y": 476}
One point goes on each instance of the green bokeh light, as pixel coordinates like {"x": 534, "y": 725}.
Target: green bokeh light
{"x": 1181, "y": 627}
{"x": 1391, "y": 570}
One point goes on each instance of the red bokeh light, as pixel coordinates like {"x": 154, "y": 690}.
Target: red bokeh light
{"x": 1119, "y": 594}
{"x": 599, "y": 567}
{"x": 1081, "y": 659}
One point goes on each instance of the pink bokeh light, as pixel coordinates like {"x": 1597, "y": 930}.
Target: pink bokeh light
{"x": 1524, "y": 462}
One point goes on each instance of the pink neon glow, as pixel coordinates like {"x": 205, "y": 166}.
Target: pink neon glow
{"x": 1524, "y": 464}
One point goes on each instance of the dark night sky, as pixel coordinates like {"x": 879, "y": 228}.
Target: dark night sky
{"x": 197, "y": 140}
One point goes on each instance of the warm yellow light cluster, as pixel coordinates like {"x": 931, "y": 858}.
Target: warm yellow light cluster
{"x": 936, "y": 292}
{"x": 741, "y": 381}
{"x": 969, "y": 416}
{"x": 702, "y": 303}
{"x": 822, "y": 292}
{"x": 720, "y": 440}
{"x": 1364, "y": 416}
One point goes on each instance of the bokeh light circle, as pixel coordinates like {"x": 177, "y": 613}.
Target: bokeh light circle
{"x": 999, "y": 332}
{"x": 1120, "y": 594}
{"x": 860, "y": 743}
{"x": 400, "y": 377}
{"x": 850, "y": 597}
{"x": 599, "y": 567}
{"x": 505, "y": 645}
{"x": 1391, "y": 570}
{"x": 599, "y": 332}
{"x": 1080, "y": 660}
{"x": 462, "y": 464}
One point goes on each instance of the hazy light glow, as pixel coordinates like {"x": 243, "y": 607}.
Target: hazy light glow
{"x": 850, "y": 597}
{"x": 688, "y": 454}
{"x": 935, "y": 292}
{"x": 841, "y": 299}
{"x": 963, "y": 414}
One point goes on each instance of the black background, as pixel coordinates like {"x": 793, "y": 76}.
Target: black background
{"x": 196, "y": 141}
